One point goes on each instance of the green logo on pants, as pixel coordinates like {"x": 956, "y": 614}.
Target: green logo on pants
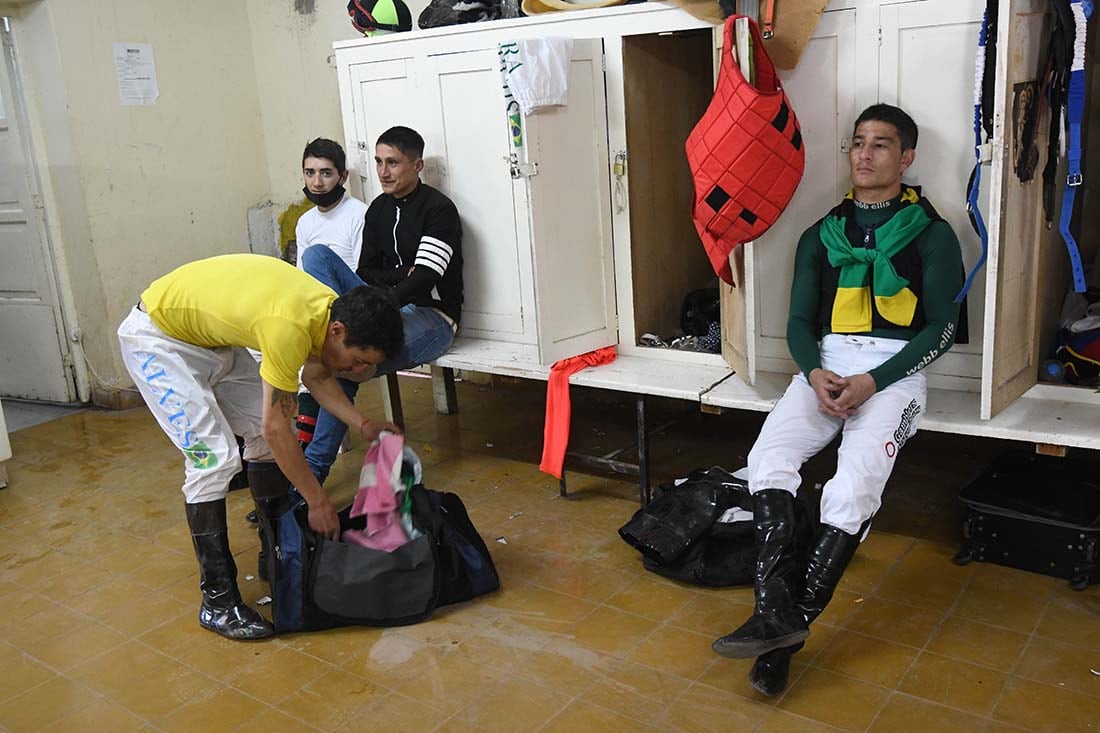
{"x": 201, "y": 455}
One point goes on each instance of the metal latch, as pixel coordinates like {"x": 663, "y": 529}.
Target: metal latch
{"x": 522, "y": 170}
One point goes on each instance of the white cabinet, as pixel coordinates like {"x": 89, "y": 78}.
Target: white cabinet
{"x": 858, "y": 57}
{"x": 586, "y": 254}
{"x": 538, "y": 266}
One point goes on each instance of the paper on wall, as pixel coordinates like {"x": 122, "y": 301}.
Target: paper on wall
{"x": 137, "y": 74}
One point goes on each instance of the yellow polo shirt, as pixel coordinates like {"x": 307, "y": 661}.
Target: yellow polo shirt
{"x": 247, "y": 300}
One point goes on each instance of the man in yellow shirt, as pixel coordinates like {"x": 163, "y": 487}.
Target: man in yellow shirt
{"x": 186, "y": 347}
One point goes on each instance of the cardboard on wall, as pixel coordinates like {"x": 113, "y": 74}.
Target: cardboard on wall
{"x": 795, "y": 21}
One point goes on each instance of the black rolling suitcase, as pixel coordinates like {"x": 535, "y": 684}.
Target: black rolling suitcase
{"x": 1037, "y": 513}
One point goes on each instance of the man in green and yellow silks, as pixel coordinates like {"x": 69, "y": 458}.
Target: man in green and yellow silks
{"x": 872, "y": 304}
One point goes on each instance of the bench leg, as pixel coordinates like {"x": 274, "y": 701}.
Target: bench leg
{"x": 643, "y": 453}
{"x": 610, "y": 462}
{"x": 391, "y": 400}
{"x": 3, "y": 474}
{"x": 443, "y": 390}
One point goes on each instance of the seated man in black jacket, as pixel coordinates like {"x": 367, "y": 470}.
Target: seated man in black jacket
{"x": 412, "y": 243}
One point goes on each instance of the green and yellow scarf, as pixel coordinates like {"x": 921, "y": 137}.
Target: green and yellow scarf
{"x": 862, "y": 269}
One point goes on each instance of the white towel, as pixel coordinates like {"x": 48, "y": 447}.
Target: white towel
{"x": 537, "y": 71}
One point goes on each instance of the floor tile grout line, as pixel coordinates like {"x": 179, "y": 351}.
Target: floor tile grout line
{"x": 89, "y": 618}
{"x": 498, "y": 683}
{"x": 939, "y": 625}
{"x": 696, "y": 682}
{"x": 1023, "y": 651}
{"x": 221, "y": 683}
{"x": 924, "y": 650}
{"x": 56, "y": 676}
{"x": 873, "y": 593}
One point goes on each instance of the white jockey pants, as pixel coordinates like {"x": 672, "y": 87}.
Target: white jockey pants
{"x": 201, "y": 398}
{"x": 796, "y": 430}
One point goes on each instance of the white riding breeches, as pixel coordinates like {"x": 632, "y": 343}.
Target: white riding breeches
{"x": 796, "y": 430}
{"x": 201, "y": 399}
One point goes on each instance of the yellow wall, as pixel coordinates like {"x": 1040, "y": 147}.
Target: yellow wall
{"x": 134, "y": 191}
{"x": 296, "y": 78}
{"x": 296, "y": 82}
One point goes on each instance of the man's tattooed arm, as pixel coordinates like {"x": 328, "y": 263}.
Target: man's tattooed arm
{"x": 285, "y": 402}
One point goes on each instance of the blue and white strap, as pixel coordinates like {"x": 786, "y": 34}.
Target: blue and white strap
{"x": 972, "y": 209}
{"x": 1075, "y": 107}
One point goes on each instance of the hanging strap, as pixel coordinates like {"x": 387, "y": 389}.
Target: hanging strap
{"x": 974, "y": 188}
{"x": 767, "y": 19}
{"x": 1060, "y": 52}
{"x": 1075, "y": 108}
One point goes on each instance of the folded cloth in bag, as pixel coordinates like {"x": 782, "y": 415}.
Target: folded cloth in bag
{"x": 389, "y": 468}
{"x": 318, "y": 584}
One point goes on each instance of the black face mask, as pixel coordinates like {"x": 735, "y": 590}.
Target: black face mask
{"x": 325, "y": 199}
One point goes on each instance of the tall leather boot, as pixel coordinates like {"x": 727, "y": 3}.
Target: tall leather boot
{"x": 222, "y": 609}
{"x": 769, "y": 673}
{"x": 827, "y": 562}
{"x": 776, "y": 622}
{"x": 271, "y": 492}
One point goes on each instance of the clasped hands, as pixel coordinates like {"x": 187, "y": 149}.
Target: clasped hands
{"x": 839, "y": 396}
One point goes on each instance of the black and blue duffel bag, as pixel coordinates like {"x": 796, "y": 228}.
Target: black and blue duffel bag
{"x": 318, "y": 584}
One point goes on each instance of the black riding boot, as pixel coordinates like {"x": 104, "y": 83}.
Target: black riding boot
{"x": 769, "y": 674}
{"x": 271, "y": 492}
{"x": 222, "y": 609}
{"x": 777, "y": 622}
{"x": 828, "y": 560}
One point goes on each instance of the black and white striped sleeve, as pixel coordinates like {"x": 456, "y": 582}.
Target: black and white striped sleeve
{"x": 434, "y": 254}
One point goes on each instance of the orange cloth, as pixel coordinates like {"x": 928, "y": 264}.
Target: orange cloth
{"x": 555, "y": 437}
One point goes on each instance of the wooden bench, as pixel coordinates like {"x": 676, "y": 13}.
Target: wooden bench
{"x": 638, "y": 376}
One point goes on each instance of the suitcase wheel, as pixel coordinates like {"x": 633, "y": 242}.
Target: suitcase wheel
{"x": 965, "y": 556}
{"x": 1080, "y": 582}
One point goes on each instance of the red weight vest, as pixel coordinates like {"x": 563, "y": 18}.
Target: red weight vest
{"x": 746, "y": 155}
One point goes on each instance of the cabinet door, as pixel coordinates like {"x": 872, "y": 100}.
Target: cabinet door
{"x": 1022, "y": 253}
{"x": 737, "y": 303}
{"x": 469, "y": 134}
{"x": 822, "y": 93}
{"x": 738, "y": 315}
{"x": 384, "y": 93}
{"x": 568, "y": 205}
{"x": 941, "y": 35}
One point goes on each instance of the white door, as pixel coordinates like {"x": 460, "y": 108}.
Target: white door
{"x": 1022, "y": 253}
{"x": 941, "y": 35}
{"x": 822, "y": 93}
{"x": 33, "y": 355}
{"x": 569, "y": 209}
{"x": 469, "y": 131}
{"x": 384, "y": 93}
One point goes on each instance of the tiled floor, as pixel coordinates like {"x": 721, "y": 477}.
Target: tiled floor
{"x": 98, "y": 592}
{"x": 20, "y": 414}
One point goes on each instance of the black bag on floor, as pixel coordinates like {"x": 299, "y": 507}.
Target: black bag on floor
{"x": 680, "y": 537}
{"x": 318, "y": 584}
{"x": 1037, "y": 513}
